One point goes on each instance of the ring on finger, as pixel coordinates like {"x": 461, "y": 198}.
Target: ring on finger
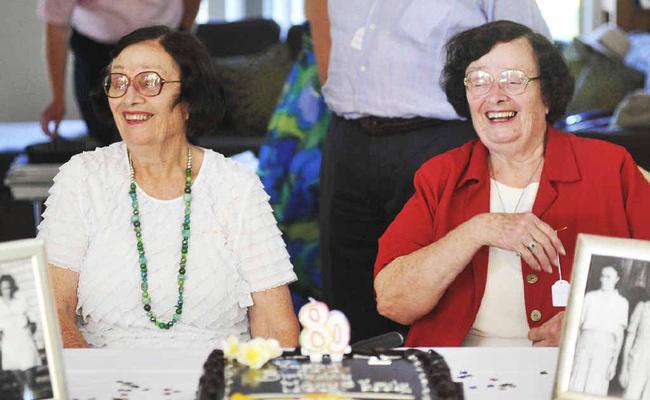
{"x": 530, "y": 246}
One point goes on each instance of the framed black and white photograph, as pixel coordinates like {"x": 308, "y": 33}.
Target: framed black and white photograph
{"x": 30, "y": 344}
{"x": 605, "y": 349}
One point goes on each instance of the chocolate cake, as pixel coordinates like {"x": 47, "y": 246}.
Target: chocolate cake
{"x": 389, "y": 374}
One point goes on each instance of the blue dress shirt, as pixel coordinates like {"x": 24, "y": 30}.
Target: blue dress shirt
{"x": 387, "y": 55}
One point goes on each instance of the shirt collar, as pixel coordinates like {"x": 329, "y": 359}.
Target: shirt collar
{"x": 560, "y": 160}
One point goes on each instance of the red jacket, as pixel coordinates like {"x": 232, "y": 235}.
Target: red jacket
{"x": 588, "y": 185}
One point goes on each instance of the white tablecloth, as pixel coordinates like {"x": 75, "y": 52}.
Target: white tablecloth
{"x": 486, "y": 373}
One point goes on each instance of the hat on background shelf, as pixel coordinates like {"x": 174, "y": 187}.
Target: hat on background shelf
{"x": 633, "y": 111}
{"x": 609, "y": 40}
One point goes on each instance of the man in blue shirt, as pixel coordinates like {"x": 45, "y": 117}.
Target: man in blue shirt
{"x": 380, "y": 62}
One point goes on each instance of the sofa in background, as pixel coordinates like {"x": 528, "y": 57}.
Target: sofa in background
{"x": 253, "y": 64}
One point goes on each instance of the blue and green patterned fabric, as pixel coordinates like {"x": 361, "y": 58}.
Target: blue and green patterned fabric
{"x": 289, "y": 167}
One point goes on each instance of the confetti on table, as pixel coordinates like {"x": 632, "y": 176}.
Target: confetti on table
{"x": 508, "y": 385}
{"x": 463, "y": 375}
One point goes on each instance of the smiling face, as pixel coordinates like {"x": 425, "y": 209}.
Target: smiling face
{"x": 141, "y": 119}
{"x": 501, "y": 119}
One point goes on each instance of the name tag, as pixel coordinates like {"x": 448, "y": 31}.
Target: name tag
{"x": 560, "y": 293}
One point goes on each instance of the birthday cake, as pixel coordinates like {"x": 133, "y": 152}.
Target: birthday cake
{"x": 390, "y": 374}
{"x": 323, "y": 367}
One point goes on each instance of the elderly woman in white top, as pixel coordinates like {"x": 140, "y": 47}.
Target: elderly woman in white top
{"x": 153, "y": 241}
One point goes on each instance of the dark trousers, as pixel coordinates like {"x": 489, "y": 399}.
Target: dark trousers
{"x": 90, "y": 61}
{"x": 365, "y": 180}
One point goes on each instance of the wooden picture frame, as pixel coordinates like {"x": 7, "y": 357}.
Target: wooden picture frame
{"x": 601, "y": 342}
{"x": 30, "y": 348}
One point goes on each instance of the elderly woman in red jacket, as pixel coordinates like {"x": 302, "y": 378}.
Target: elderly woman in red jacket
{"x": 482, "y": 252}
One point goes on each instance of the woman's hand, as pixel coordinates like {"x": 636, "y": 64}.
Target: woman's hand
{"x": 548, "y": 334}
{"x": 53, "y": 114}
{"x": 533, "y": 239}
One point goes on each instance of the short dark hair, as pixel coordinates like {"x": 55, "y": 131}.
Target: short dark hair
{"x": 472, "y": 44}
{"x": 200, "y": 87}
{"x": 12, "y": 283}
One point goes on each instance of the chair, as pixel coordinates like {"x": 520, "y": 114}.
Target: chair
{"x": 238, "y": 38}
{"x": 252, "y": 64}
{"x": 596, "y": 125}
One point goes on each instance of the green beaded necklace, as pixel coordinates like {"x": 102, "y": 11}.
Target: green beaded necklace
{"x": 135, "y": 221}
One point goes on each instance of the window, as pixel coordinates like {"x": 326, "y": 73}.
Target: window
{"x": 285, "y": 12}
{"x": 562, "y": 18}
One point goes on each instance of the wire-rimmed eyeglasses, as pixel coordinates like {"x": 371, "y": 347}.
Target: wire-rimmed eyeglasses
{"x": 147, "y": 83}
{"x": 512, "y": 81}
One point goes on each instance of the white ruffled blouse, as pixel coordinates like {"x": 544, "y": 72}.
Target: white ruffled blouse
{"x": 235, "y": 248}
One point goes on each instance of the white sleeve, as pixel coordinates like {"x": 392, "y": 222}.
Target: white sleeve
{"x": 525, "y": 12}
{"x": 58, "y": 12}
{"x": 64, "y": 228}
{"x": 258, "y": 242}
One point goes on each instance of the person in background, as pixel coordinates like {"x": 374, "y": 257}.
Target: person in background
{"x": 602, "y": 329}
{"x": 482, "y": 253}
{"x": 152, "y": 241}
{"x": 91, "y": 29}
{"x": 380, "y": 62}
{"x": 289, "y": 163}
{"x": 635, "y": 371}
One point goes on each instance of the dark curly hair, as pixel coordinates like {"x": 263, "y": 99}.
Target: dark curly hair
{"x": 472, "y": 44}
{"x": 200, "y": 87}
{"x": 13, "y": 287}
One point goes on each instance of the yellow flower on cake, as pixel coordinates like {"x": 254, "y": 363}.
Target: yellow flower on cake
{"x": 273, "y": 348}
{"x": 231, "y": 347}
{"x": 254, "y": 353}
